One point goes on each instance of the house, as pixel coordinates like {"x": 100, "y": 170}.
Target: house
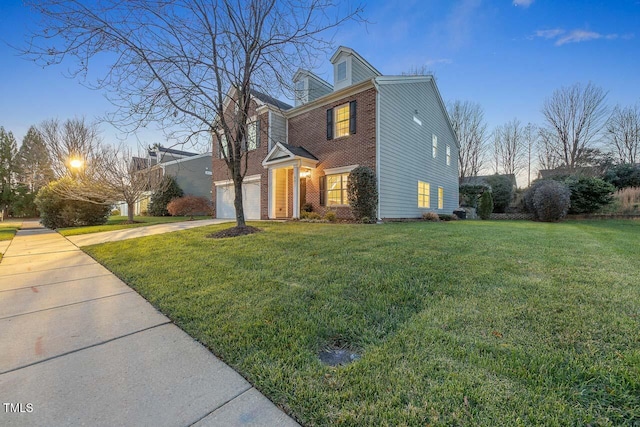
{"x": 302, "y": 154}
{"x": 192, "y": 172}
{"x": 561, "y": 171}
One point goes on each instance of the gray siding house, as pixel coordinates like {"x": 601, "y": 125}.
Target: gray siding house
{"x": 396, "y": 125}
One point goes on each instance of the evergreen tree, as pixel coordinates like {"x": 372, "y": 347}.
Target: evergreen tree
{"x": 34, "y": 162}
{"x": 8, "y": 154}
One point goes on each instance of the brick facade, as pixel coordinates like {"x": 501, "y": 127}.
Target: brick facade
{"x": 308, "y": 130}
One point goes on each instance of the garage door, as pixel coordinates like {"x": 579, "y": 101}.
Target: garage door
{"x": 250, "y": 200}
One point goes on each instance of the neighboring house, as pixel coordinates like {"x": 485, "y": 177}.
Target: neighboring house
{"x": 396, "y": 125}
{"x": 192, "y": 172}
{"x": 590, "y": 171}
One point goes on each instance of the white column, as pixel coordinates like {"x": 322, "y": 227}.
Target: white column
{"x": 296, "y": 191}
{"x": 271, "y": 182}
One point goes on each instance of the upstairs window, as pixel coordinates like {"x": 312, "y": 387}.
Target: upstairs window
{"x": 341, "y": 120}
{"x": 224, "y": 149}
{"x": 342, "y": 71}
{"x": 434, "y": 146}
{"x": 253, "y": 135}
{"x": 448, "y": 155}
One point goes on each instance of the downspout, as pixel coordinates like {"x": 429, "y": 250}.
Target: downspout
{"x": 377, "y": 86}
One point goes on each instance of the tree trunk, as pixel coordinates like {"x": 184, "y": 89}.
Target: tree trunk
{"x": 131, "y": 207}
{"x": 237, "y": 202}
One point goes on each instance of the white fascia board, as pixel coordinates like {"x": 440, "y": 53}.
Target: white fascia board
{"x": 185, "y": 159}
{"x": 249, "y": 178}
{"x": 329, "y": 98}
{"x": 382, "y": 80}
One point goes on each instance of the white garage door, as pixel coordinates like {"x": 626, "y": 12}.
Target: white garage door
{"x": 250, "y": 200}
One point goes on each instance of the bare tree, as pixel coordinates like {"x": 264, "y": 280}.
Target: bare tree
{"x": 548, "y": 157}
{"x": 467, "y": 119}
{"x": 113, "y": 178}
{"x": 183, "y": 63}
{"x": 509, "y": 148}
{"x": 574, "y": 117}
{"x": 73, "y": 146}
{"x": 623, "y": 133}
{"x": 530, "y": 136}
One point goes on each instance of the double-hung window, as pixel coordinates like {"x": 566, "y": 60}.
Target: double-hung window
{"x": 424, "y": 199}
{"x": 333, "y": 189}
{"x": 440, "y": 198}
{"x": 434, "y": 146}
{"x": 252, "y": 135}
{"x": 341, "y": 120}
{"x": 448, "y": 155}
{"x": 224, "y": 148}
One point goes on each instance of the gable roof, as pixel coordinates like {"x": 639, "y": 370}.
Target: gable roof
{"x": 285, "y": 154}
{"x": 266, "y": 99}
{"x": 348, "y": 50}
{"x": 160, "y": 148}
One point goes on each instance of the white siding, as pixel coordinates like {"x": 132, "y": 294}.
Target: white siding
{"x": 405, "y": 148}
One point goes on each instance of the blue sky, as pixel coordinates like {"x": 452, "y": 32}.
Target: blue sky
{"x": 506, "y": 55}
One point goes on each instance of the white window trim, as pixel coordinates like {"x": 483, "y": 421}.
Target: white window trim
{"x": 346, "y": 71}
{"x": 434, "y": 146}
{"x": 335, "y": 120}
{"x": 327, "y": 191}
{"x": 343, "y": 169}
{"x": 440, "y": 201}
{"x": 429, "y": 195}
{"x": 448, "y": 155}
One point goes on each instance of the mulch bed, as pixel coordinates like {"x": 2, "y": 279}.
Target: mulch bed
{"x": 234, "y": 232}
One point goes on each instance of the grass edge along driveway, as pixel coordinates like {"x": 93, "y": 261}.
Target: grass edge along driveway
{"x": 120, "y": 223}
{"x": 461, "y": 323}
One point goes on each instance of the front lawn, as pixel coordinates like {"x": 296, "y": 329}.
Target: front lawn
{"x": 120, "y": 223}
{"x": 8, "y": 230}
{"x": 460, "y": 323}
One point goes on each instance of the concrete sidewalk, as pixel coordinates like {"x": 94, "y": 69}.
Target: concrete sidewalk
{"x": 132, "y": 233}
{"x": 79, "y": 347}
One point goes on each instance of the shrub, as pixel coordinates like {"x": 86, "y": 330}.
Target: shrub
{"x": 331, "y": 216}
{"x": 447, "y": 217}
{"x": 486, "y": 205}
{"x": 115, "y": 212}
{"x": 362, "y": 192}
{"x": 470, "y": 194}
{"x": 623, "y": 175}
{"x": 501, "y": 192}
{"x": 307, "y": 207}
{"x": 628, "y": 200}
{"x": 527, "y": 197}
{"x": 58, "y": 212}
{"x": 430, "y": 216}
{"x": 189, "y": 206}
{"x": 551, "y": 201}
{"x": 169, "y": 190}
{"x": 589, "y": 194}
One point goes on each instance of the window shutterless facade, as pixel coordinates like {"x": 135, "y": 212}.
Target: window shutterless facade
{"x": 424, "y": 199}
{"x": 434, "y": 146}
{"x": 440, "y": 198}
{"x": 448, "y": 155}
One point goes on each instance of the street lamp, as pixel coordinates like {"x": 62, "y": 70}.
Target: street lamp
{"x": 76, "y": 163}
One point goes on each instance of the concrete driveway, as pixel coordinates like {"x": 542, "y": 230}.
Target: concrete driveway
{"x": 132, "y": 233}
{"x": 79, "y": 347}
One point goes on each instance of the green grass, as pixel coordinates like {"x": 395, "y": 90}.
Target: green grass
{"x": 8, "y": 230}
{"x": 120, "y": 223}
{"x": 463, "y": 323}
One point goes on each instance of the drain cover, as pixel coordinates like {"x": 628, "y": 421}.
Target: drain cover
{"x": 337, "y": 356}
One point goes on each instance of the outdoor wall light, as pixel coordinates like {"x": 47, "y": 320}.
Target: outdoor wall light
{"x": 305, "y": 174}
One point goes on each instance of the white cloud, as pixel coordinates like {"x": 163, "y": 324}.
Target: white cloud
{"x": 549, "y": 34}
{"x": 523, "y": 3}
{"x": 576, "y": 36}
